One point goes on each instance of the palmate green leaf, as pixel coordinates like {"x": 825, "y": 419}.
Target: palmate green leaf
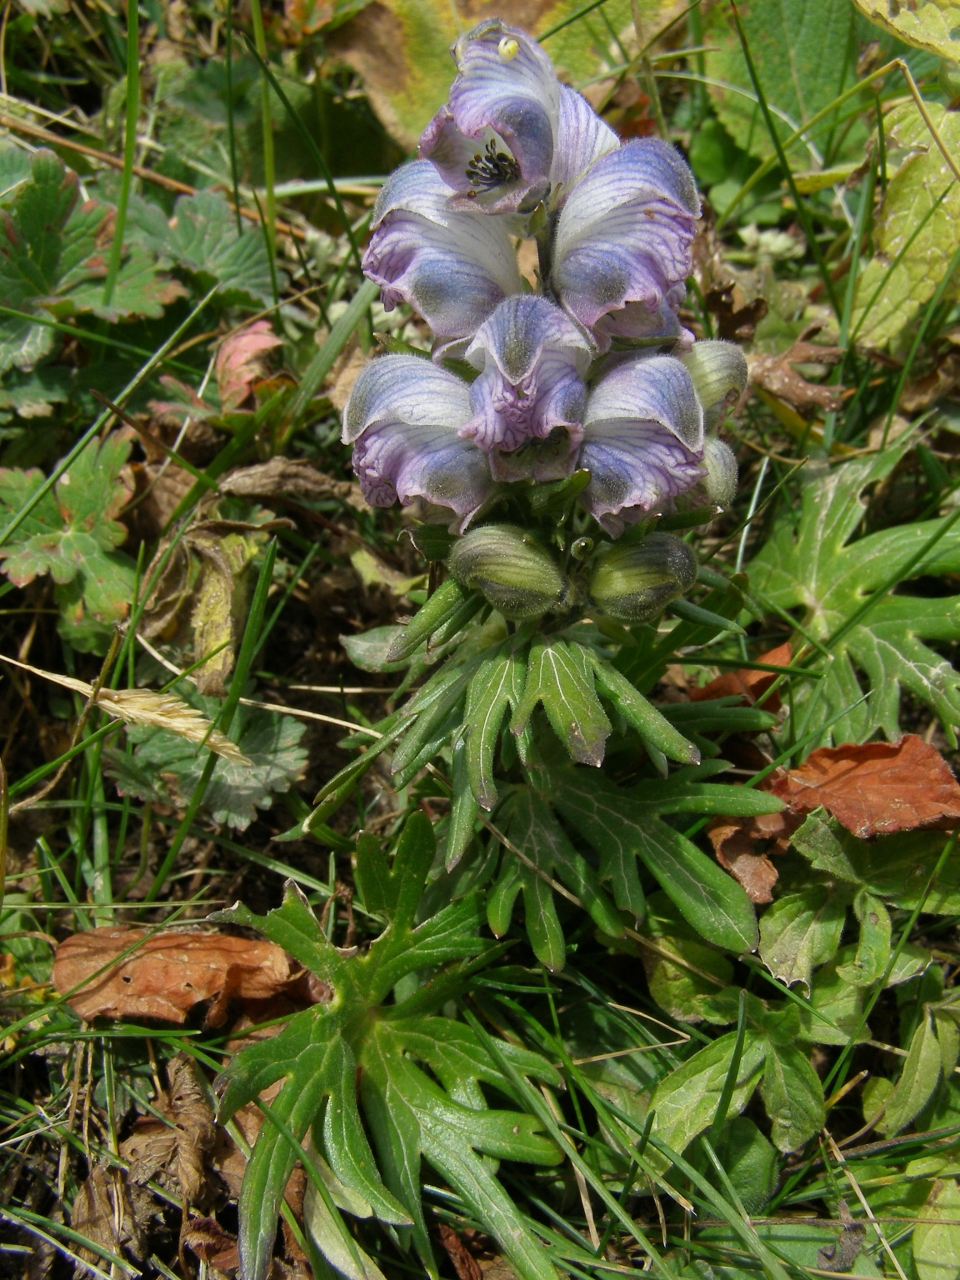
{"x": 561, "y": 677}
{"x": 624, "y": 824}
{"x": 71, "y": 534}
{"x": 52, "y": 258}
{"x": 529, "y": 824}
{"x": 204, "y": 241}
{"x": 886, "y": 299}
{"x": 322, "y": 1054}
{"x": 812, "y": 564}
{"x": 495, "y": 689}
{"x": 166, "y": 766}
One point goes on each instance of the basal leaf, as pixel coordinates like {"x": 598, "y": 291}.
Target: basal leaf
{"x": 838, "y": 1003}
{"x": 269, "y": 741}
{"x": 685, "y": 1101}
{"x": 812, "y": 564}
{"x": 792, "y": 1095}
{"x": 936, "y": 1240}
{"x": 204, "y": 241}
{"x": 801, "y": 931}
{"x": 888, "y": 296}
{"x": 918, "y": 1079}
{"x": 356, "y": 1038}
{"x": 873, "y": 949}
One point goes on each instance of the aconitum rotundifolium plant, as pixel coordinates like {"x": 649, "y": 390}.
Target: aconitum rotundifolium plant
{"x": 589, "y": 373}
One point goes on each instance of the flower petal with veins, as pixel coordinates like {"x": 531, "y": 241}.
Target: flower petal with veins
{"x": 453, "y": 268}
{"x": 510, "y": 131}
{"x": 532, "y": 359}
{"x": 625, "y": 233}
{"x": 402, "y": 419}
{"x": 642, "y": 439}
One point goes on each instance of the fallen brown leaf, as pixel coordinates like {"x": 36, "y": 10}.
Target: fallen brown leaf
{"x": 167, "y": 974}
{"x": 777, "y": 376}
{"x": 874, "y": 789}
{"x": 464, "y": 1263}
{"x": 284, "y": 478}
{"x": 743, "y": 849}
{"x": 177, "y": 1145}
{"x": 103, "y": 1212}
{"x": 211, "y": 1244}
{"x": 749, "y": 684}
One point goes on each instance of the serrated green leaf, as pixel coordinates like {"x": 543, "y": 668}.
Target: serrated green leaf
{"x": 72, "y": 535}
{"x": 926, "y": 24}
{"x": 793, "y": 1097}
{"x": 918, "y": 1079}
{"x": 561, "y": 676}
{"x": 270, "y": 743}
{"x": 51, "y": 258}
{"x": 801, "y": 931}
{"x": 204, "y": 240}
{"x": 685, "y": 1101}
{"x": 821, "y": 842}
{"x": 887, "y": 300}
{"x": 812, "y": 564}
{"x": 14, "y": 168}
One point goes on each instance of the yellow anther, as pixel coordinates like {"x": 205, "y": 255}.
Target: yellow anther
{"x": 508, "y": 48}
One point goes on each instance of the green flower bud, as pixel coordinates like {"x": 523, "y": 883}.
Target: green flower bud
{"x": 511, "y": 569}
{"x": 635, "y": 582}
{"x": 719, "y": 373}
{"x": 720, "y": 482}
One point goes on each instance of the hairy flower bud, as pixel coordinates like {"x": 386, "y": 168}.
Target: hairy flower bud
{"x": 634, "y": 582}
{"x": 508, "y": 566}
{"x": 720, "y": 482}
{"x": 719, "y": 373}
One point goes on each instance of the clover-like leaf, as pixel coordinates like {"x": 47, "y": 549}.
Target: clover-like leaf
{"x": 813, "y": 563}
{"x": 421, "y": 1076}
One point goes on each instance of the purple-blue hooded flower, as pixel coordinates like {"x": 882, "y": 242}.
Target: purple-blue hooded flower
{"x": 511, "y": 133}
{"x": 530, "y": 391}
{"x": 453, "y": 268}
{"x": 624, "y": 237}
{"x": 402, "y": 419}
{"x": 642, "y": 439}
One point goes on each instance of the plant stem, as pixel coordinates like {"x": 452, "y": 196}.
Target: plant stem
{"x": 269, "y": 169}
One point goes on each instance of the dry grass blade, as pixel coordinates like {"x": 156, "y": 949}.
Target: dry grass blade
{"x": 149, "y": 708}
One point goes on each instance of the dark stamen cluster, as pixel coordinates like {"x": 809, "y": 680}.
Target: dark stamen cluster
{"x": 492, "y": 167}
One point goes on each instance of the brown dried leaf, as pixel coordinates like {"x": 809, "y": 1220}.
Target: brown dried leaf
{"x": 464, "y": 1263}
{"x": 743, "y": 849}
{"x": 777, "y": 376}
{"x": 747, "y": 683}
{"x": 284, "y": 478}
{"x": 241, "y": 363}
{"x": 167, "y": 974}
{"x": 211, "y": 1244}
{"x": 103, "y": 1212}
{"x": 876, "y": 788}
{"x": 180, "y": 1146}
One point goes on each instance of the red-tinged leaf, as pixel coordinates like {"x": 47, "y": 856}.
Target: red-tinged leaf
{"x": 240, "y": 362}
{"x": 875, "y": 788}
{"x": 748, "y": 684}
